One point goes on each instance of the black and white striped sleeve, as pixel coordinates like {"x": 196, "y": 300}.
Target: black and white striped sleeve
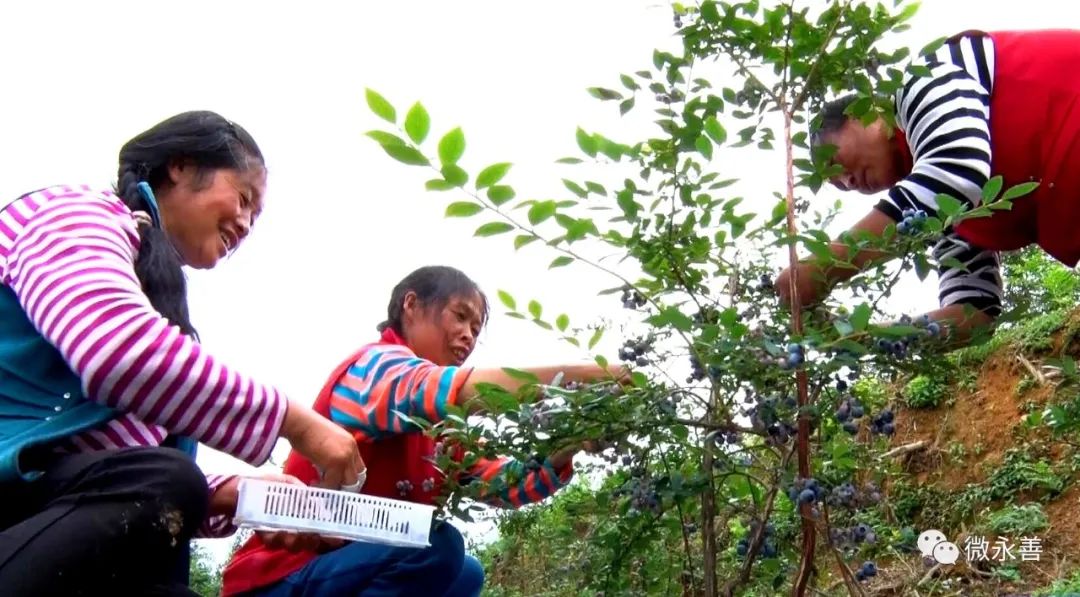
{"x": 975, "y": 280}
{"x": 946, "y": 119}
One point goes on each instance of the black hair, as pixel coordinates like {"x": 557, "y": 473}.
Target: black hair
{"x": 206, "y": 141}
{"x": 833, "y": 117}
{"x": 434, "y": 286}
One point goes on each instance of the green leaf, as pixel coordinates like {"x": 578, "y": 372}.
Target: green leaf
{"x": 380, "y": 106}
{"x": 922, "y": 266}
{"x": 455, "y": 175}
{"x": 1019, "y": 190}
{"x": 562, "y": 322}
{"x": 452, "y": 146}
{"x": 568, "y": 161}
{"x": 500, "y": 194}
{"x": 948, "y": 206}
{"x": 595, "y": 187}
{"x": 860, "y": 317}
{"x": 704, "y": 146}
{"x": 629, "y": 82}
{"x": 991, "y": 189}
{"x": 560, "y": 262}
{"x": 715, "y": 130}
{"x": 541, "y": 211}
{"x": 626, "y": 202}
{"x": 384, "y": 138}
{"x": 895, "y": 331}
{"x": 673, "y": 317}
{"x": 933, "y": 46}
{"x": 625, "y": 106}
{"x": 852, "y": 346}
{"x": 575, "y": 188}
{"x": 493, "y": 228}
{"x": 919, "y": 70}
{"x": 523, "y": 239}
{"x": 406, "y": 155}
{"x": 463, "y": 209}
{"x": 535, "y": 309}
{"x": 437, "y": 184}
{"x": 595, "y": 339}
{"x": 507, "y": 299}
{"x": 638, "y": 379}
{"x": 586, "y": 142}
{"x": 604, "y": 94}
{"x": 520, "y": 375}
{"x": 492, "y": 174}
{"x": 417, "y": 123}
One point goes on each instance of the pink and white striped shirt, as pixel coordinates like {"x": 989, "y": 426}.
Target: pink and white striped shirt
{"x": 68, "y": 253}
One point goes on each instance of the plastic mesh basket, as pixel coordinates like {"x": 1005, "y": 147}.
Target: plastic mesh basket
{"x": 272, "y": 506}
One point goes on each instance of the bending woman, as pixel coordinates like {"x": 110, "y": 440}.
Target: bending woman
{"x": 104, "y": 388}
{"x": 416, "y": 369}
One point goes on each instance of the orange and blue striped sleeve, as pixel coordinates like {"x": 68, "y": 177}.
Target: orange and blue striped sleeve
{"x": 387, "y": 381}
{"x": 508, "y": 484}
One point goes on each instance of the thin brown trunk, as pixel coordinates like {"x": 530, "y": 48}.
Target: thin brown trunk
{"x": 708, "y": 509}
{"x": 809, "y": 532}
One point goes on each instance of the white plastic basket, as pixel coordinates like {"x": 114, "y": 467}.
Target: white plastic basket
{"x": 272, "y": 506}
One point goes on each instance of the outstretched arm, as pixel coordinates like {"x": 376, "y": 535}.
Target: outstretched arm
{"x": 512, "y": 484}
{"x": 389, "y": 382}
{"x": 946, "y": 117}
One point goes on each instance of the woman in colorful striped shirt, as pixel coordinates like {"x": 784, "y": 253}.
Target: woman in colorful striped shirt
{"x": 1000, "y": 103}
{"x": 101, "y": 373}
{"x": 415, "y": 369}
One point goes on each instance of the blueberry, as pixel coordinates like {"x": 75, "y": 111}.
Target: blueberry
{"x": 903, "y": 227}
{"x": 742, "y": 547}
{"x": 807, "y": 496}
{"x": 869, "y": 569}
{"x": 794, "y": 348}
{"x": 886, "y": 416}
{"x": 794, "y": 360}
{"x": 857, "y": 411}
{"x": 768, "y": 550}
{"x": 934, "y": 328}
{"x": 851, "y": 428}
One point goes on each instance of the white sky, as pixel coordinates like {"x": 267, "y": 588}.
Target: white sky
{"x": 343, "y": 222}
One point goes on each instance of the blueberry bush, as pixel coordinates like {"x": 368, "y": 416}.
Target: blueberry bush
{"x": 748, "y": 455}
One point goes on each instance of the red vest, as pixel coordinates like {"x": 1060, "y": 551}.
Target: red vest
{"x": 1035, "y": 136}
{"x": 398, "y": 458}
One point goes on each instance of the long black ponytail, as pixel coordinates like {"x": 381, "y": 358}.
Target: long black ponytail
{"x": 202, "y": 139}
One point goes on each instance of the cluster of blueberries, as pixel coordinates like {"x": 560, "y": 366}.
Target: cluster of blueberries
{"x": 768, "y": 546}
{"x": 912, "y": 221}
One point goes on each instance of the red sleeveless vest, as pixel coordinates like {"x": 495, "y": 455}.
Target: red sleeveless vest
{"x": 398, "y": 458}
{"x": 1035, "y": 136}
